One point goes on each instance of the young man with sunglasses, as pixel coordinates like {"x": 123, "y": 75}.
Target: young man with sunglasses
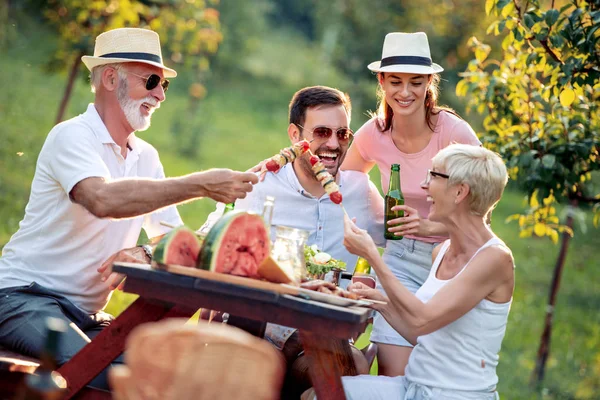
{"x": 321, "y": 115}
{"x": 96, "y": 185}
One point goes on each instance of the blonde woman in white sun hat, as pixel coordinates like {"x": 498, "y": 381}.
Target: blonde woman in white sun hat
{"x": 409, "y": 128}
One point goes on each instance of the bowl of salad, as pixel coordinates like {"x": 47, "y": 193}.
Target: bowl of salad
{"x": 319, "y": 263}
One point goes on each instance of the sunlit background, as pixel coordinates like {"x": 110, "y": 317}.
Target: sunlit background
{"x": 239, "y": 63}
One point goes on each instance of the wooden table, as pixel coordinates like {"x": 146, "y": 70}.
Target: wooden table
{"x": 324, "y": 328}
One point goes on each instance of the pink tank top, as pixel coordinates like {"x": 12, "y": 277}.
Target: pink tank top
{"x": 376, "y": 146}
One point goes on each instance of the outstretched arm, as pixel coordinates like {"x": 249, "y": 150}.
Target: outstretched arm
{"x": 125, "y": 198}
{"x": 409, "y": 315}
{"x": 413, "y": 318}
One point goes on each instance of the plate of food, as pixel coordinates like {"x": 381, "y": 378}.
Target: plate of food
{"x": 319, "y": 263}
{"x": 327, "y": 292}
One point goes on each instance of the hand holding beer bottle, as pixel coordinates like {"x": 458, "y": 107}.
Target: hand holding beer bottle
{"x": 393, "y": 198}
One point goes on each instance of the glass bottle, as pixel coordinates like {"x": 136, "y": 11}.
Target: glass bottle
{"x": 213, "y": 217}
{"x": 228, "y": 207}
{"x": 46, "y": 383}
{"x": 393, "y": 198}
{"x": 362, "y": 267}
{"x": 288, "y": 251}
{"x": 267, "y": 213}
{"x": 362, "y": 273}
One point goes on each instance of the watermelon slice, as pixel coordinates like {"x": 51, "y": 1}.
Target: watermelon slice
{"x": 181, "y": 246}
{"x": 237, "y": 244}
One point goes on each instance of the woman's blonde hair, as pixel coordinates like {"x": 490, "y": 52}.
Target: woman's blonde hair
{"x": 479, "y": 168}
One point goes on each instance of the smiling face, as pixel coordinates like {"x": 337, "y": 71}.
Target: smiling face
{"x": 405, "y": 92}
{"x": 137, "y": 102}
{"x": 331, "y": 151}
{"x": 438, "y": 194}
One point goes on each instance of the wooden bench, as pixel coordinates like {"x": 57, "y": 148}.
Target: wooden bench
{"x": 15, "y": 367}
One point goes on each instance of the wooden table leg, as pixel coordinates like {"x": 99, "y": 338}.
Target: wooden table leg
{"x": 109, "y": 344}
{"x": 329, "y": 360}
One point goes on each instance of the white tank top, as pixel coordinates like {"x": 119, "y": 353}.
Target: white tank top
{"x": 463, "y": 355}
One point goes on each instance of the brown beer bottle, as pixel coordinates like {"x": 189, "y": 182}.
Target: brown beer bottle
{"x": 393, "y": 198}
{"x": 46, "y": 383}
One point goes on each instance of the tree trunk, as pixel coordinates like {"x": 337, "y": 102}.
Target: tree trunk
{"x": 4, "y": 25}
{"x": 69, "y": 88}
{"x": 544, "y": 349}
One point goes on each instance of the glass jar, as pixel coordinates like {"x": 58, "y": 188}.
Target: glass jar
{"x": 288, "y": 251}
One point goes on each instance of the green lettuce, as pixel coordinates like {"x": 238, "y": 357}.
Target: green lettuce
{"x": 318, "y": 262}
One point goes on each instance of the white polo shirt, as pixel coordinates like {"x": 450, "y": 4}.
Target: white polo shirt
{"x": 60, "y": 244}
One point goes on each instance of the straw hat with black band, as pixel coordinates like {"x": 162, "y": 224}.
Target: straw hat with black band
{"x": 406, "y": 53}
{"x": 128, "y": 45}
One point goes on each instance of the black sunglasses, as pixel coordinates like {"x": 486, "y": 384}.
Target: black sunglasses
{"x": 324, "y": 132}
{"x": 152, "y": 81}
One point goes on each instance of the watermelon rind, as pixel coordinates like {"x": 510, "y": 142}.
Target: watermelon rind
{"x": 161, "y": 251}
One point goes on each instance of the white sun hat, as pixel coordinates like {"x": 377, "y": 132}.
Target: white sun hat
{"x": 406, "y": 52}
{"x": 128, "y": 45}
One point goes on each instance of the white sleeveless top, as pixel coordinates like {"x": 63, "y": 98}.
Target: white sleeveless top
{"x": 463, "y": 355}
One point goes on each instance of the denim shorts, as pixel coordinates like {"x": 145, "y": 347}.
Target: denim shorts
{"x": 410, "y": 261}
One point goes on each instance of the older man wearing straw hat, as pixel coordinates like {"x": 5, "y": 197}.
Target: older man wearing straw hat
{"x": 96, "y": 185}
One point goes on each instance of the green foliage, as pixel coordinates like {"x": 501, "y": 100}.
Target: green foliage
{"x": 189, "y": 33}
{"x": 189, "y": 30}
{"x": 244, "y": 117}
{"x": 242, "y": 24}
{"x": 540, "y": 102}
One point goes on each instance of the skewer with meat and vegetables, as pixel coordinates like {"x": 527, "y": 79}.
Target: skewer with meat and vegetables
{"x": 289, "y": 154}
{"x": 326, "y": 179}
{"x": 285, "y": 156}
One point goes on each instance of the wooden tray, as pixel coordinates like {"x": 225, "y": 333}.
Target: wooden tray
{"x": 236, "y": 280}
{"x": 263, "y": 285}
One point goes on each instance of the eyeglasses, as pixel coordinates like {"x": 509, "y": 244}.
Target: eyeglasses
{"x": 324, "y": 132}
{"x": 431, "y": 174}
{"x": 152, "y": 81}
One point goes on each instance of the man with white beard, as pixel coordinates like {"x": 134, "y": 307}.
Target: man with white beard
{"x": 96, "y": 185}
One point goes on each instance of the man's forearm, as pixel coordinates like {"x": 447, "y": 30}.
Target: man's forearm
{"x": 125, "y": 198}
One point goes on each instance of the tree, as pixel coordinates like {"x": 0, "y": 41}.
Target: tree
{"x": 189, "y": 32}
{"x": 352, "y": 34}
{"x": 540, "y": 102}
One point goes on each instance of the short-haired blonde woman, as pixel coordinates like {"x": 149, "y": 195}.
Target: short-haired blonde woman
{"x": 457, "y": 319}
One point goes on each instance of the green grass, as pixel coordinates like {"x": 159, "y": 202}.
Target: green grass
{"x": 244, "y": 120}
